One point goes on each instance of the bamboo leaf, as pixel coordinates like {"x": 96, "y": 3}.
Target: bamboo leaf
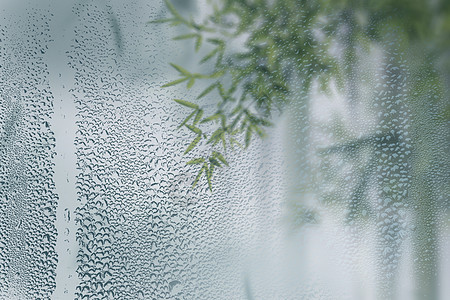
{"x": 194, "y": 129}
{"x": 203, "y": 168}
{"x": 216, "y": 41}
{"x": 207, "y": 90}
{"x": 198, "y": 43}
{"x": 214, "y": 162}
{"x": 221, "y": 90}
{"x": 265, "y": 123}
{"x": 211, "y": 118}
{"x": 190, "y": 83}
{"x": 193, "y": 144}
{"x": 181, "y": 70}
{"x": 186, "y": 120}
{"x": 216, "y": 134}
{"x": 216, "y": 141}
{"x": 220, "y": 157}
{"x": 185, "y": 36}
{"x": 209, "y": 173}
{"x": 248, "y": 136}
{"x": 172, "y": 9}
{"x": 186, "y": 103}
{"x": 235, "y": 121}
{"x": 223, "y": 120}
{"x": 259, "y": 131}
{"x": 195, "y": 161}
{"x": 198, "y": 116}
{"x": 224, "y": 143}
{"x": 236, "y": 110}
{"x": 217, "y": 74}
{"x": 234, "y": 142}
{"x": 160, "y": 21}
{"x": 175, "y": 82}
{"x": 209, "y": 56}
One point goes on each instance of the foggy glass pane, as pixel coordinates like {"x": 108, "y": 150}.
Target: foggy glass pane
{"x": 332, "y": 183}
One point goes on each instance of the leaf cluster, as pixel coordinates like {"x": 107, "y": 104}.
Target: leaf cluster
{"x": 285, "y": 40}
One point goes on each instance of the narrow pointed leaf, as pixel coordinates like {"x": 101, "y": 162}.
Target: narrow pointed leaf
{"x": 193, "y": 144}
{"x": 216, "y": 41}
{"x": 234, "y": 142}
{"x": 236, "y": 110}
{"x": 186, "y": 120}
{"x": 196, "y": 161}
{"x": 248, "y": 136}
{"x": 217, "y": 74}
{"x": 194, "y": 129}
{"x": 198, "y": 116}
{"x": 211, "y": 118}
{"x": 220, "y": 157}
{"x": 186, "y": 103}
{"x": 224, "y": 143}
{"x": 160, "y": 21}
{"x": 209, "y": 173}
{"x": 214, "y": 162}
{"x": 197, "y": 178}
{"x": 185, "y": 36}
{"x": 216, "y": 134}
{"x": 172, "y": 9}
{"x": 181, "y": 69}
{"x": 207, "y": 90}
{"x": 190, "y": 83}
{"x": 209, "y": 56}
{"x": 266, "y": 123}
{"x": 259, "y": 131}
{"x": 175, "y": 82}
{"x": 198, "y": 43}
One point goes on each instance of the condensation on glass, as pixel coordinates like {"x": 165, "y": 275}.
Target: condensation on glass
{"x": 344, "y": 197}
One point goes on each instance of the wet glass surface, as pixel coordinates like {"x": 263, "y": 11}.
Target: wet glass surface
{"x": 345, "y": 198}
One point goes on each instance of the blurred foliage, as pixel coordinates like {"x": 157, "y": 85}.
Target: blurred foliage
{"x": 285, "y": 39}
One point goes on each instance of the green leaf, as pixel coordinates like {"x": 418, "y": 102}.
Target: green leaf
{"x": 248, "y": 136}
{"x": 236, "y": 110}
{"x": 234, "y": 142}
{"x": 216, "y": 134}
{"x": 186, "y": 120}
{"x": 190, "y": 83}
{"x": 216, "y": 41}
{"x": 175, "y": 82}
{"x": 186, "y": 103}
{"x": 203, "y": 168}
{"x": 181, "y": 70}
{"x": 193, "y": 144}
{"x": 195, "y": 161}
{"x": 185, "y": 36}
{"x": 207, "y": 90}
{"x": 216, "y": 140}
{"x": 223, "y": 120}
{"x": 209, "y": 56}
{"x": 198, "y": 43}
{"x": 221, "y": 90}
{"x": 214, "y": 162}
{"x": 160, "y": 21}
{"x": 259, "y": 131}
{"x": 198, "y": 116}
{"x": 211, "y": 118}
{"x": 265, "y": 123}
{"x": 217, "y": 74}
{"x": 224, "y": 143}
{"x": 194, "y": 129}
{"x": 172, "y": 9}
{"x": 235, "y": 121}
{"x": 220, "y": 157}
{"x": 209, "y": 173}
